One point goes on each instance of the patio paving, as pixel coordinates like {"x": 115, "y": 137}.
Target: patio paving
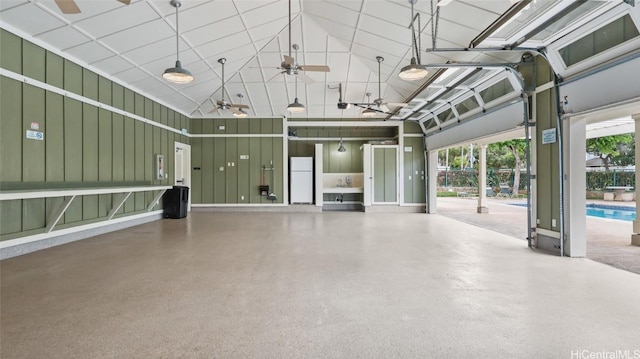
{"x": 608, "y": 240}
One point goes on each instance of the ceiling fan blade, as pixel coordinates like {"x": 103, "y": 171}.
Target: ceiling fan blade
{"x": 272, "y": 78}
{"x": 306, "y": 79}
{"x": 126, "y": 2}
{"x": 237, "y": 106}
{"x": 384, "y": 108}
{"x": 397, "y": 104}
{"x": 321, "y": 68}
{"x": 68, "y": 6}
{"x": 215, "y": 109}
{"x": 288, "y": 60}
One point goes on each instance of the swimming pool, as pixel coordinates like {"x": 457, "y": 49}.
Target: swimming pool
{"x": 623, "y": 213}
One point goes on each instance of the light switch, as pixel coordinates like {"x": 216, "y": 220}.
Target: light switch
{"x": 221, "y": 169}
{"x": 409, "y": 178}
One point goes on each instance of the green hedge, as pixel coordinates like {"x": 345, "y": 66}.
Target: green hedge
{"x": 596, "y": 181}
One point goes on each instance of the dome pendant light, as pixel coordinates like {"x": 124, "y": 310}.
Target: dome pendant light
{"x": 414, "y": 71}
{"x": 295, "y": 106}
{"x": 368, "y": 112}
{"x": 341, "y": 146}
{"x": 177, "y": 74}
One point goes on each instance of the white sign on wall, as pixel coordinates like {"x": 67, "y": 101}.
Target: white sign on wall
{"x": 548, "y": 136}
{"x": 35, "y": 135}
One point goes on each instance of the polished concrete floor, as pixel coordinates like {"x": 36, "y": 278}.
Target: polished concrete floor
{"x": 312, "y": 285}
{"x": 608, "y": 240}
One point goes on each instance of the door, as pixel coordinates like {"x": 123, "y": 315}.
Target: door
{"x": 385, "y": 174}
{"x": 182, "y": 170}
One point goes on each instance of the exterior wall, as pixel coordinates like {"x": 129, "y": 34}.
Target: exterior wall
{"x": 85, "y": 143}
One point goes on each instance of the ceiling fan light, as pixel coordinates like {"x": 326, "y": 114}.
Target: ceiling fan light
{"x": 368, "y": 112}
{"x": 177, "y": 74}
{"x": 296, "y": 107}
{"x": 413, "y": 71}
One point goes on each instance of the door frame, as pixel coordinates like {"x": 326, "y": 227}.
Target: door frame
{"x": 373, "y": 184}
{"x": 186, "y": 167}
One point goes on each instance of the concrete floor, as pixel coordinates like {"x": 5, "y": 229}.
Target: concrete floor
{"x": 608, "y": 240}
{"x": 309, "y": 285}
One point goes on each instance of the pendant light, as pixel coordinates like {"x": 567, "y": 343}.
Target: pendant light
{"x": 177, "y": 74}
{"x": 240, "y": 112}
{"x": 368, "y": 112}
{"x": 295, "y": 106}
{"x": 341, "y": 146}
{"x": 414, "y": 71}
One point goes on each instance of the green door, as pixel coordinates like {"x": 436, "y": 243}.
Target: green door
{"x": 385, "y": 174}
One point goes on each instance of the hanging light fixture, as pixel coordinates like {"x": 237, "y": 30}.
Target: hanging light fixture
{"x": 295, "y": 106}
{"x": 414, "y": 71}
{"x": 368, "y": 112}
{"x": 239, "y": 112}
{"x": 341, "y": 146}
{"x": 177, "y": 74}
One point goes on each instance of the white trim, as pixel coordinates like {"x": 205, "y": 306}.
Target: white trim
{"x": 544, "y": 87}
{"x": 285, "y": 161}
{"x": 397, "y": 201}
{"x": 235, "y": 135}
{"x": 65, "y": 93}
{"x": 548, "y": 233}
{"x": 413, "y": 135}
{"x": 587, "y": 28}
{"x": 391, "y": 123}
{"x": 13, "y": 195}
{"x": 64, "y": 55}
{"x": 41, "y": 236}
{"x": 335, "y": 138}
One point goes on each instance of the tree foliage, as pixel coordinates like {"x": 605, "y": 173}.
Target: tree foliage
{"x": 609, "y": 148}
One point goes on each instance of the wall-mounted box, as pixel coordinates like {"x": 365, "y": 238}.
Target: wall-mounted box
{"x": 159, "y": 167}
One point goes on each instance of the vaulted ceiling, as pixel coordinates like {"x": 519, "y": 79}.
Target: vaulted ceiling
{"x": 135, "y": 43}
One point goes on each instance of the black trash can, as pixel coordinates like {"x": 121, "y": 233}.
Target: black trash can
{"x": 175, "y": 202}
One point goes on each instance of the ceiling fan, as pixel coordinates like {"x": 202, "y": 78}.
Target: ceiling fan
{"x": 289, "y": 65}
{"x": 70, "y": 6}
{"x": 222, "y": 104}
{"x": 379, "y": 102}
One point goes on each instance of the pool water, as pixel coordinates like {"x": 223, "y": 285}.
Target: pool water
{"x": 604, "y": 211}
{"x": 611, "y": 212}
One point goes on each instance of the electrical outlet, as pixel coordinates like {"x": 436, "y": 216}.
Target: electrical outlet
{"x": 221, "y": 169}
{"x": 242, "y": 198}
{"x": 553, "y": 222}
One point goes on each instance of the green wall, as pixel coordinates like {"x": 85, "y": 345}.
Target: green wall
{"x": 227, "y": 169}
{"x": 413, "y": 176}
{"x": 84, "y": 146}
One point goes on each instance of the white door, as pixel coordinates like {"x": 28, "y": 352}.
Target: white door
{"x": 182, "y": 170}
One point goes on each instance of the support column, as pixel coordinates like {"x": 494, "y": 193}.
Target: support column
{"x": 432, "y": 178}
{"x": 575, "y": 143}
{"x": 635, "y": 236}
{"x": 482, "y": 180}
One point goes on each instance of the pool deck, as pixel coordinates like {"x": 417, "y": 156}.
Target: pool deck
{"x": 608, "y": 240}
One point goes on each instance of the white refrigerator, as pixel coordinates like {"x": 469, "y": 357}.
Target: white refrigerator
{"x": 301, "y": 179}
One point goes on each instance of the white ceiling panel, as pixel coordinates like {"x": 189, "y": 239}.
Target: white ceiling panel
{"x": 64, "y": 37}
{"x": 113, "y": 64}
{"x": 90, "y": 52}
{"x": 217, "y": 48}
{"x": 136, "y": 43}
{"x": 190, "y": 14}
{"x": 27, "y": 14}
{"x": 8, "y": 4}
{"x": 214, "y": 31}
{"x": 124, "y": 17}
{"x": 142, "y": 35}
